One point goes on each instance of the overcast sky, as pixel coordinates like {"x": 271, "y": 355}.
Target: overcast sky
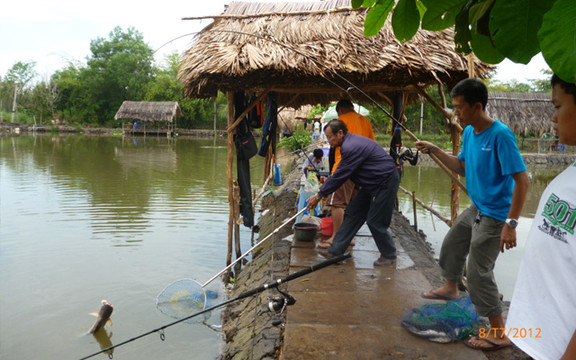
{"x": 54, "y": 33}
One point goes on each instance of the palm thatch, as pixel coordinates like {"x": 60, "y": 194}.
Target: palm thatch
{"x": 524, "y": 113}
{"x": 303, "y": 47}
{"x": 149, "y": 111}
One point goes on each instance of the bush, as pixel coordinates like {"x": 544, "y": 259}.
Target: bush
{"x": 300, "y": 139}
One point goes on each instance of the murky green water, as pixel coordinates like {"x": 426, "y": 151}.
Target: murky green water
{"x": 87, "y": 218}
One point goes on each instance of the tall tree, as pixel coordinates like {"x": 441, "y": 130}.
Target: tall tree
{"x": 120, "y": 68}
{"x": 20, "y": 75}
{"x": 196, "y": 113}
{"x": 492, "y": 29}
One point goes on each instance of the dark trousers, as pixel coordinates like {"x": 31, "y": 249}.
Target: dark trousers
{"x": 376, "y": 211}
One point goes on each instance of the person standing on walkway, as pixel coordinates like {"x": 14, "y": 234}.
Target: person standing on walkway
{"x": 338, "y": 200}
{"x": 369, "y": 166}
{"x": 542, "y": 316}
{"x": 497, "y": 184}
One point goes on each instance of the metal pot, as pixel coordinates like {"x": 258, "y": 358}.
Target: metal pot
{"x": 305, "y": 231}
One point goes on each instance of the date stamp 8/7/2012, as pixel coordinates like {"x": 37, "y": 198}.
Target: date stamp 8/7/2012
{"x": 515, "y": 333}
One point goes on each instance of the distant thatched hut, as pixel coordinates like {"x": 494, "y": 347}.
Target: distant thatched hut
{"x": 525, "y": 113}
{"x": 150, "y": 111}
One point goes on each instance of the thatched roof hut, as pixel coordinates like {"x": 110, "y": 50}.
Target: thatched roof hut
{"x": 300, "y": 50}
{"x": 524, "y": 113}
{"x": 149, "y": 111}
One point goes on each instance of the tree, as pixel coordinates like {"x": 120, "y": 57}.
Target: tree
{"x": 492, "y": 29}
{"x": 196, "y": 113}
{"x": 20, "y": 75}
{"x": 119, "y": 69}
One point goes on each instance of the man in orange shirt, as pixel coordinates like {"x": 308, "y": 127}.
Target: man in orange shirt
{"x": 359, "y": 125}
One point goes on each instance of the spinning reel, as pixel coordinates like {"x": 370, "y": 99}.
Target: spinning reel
{"x": 406, "y": 154}
{"x": 278, "y": 304}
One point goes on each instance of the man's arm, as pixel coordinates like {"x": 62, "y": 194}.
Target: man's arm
{"x": 570, "y": 352}
{"x": 521, "y": 185}
{"x": 451, "y": 161}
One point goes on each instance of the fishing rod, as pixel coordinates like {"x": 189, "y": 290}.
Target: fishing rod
{"x": 244, "y": 295}
{"x": 347, "y": 90}
{"x": 351, "y": 86}
{"x": 168, "y": 288}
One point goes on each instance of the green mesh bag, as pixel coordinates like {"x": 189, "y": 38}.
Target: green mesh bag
{"x": 442, "y": 323}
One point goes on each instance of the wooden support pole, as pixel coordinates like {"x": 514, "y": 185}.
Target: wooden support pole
{"x": 229, "y": 176}
{"x": 429, "y": 208}
{"x": 237, "y": 219}
{"x": 414, "y": 210}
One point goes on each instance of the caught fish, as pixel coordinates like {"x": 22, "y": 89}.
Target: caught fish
{"x": 103, "y": 316}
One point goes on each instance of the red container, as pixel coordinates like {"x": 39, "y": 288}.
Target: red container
{"x": 326, "y": 226}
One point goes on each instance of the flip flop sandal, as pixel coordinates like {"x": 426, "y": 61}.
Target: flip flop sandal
{"x": 324, "y": 245}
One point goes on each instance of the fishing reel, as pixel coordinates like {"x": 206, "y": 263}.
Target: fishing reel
{"x": 278, "y": 304}
{"x": 406, "y": 154}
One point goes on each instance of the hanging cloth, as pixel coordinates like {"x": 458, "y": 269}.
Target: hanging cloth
{"x": 245, "y": 149}
{"x": 270, "y": 125}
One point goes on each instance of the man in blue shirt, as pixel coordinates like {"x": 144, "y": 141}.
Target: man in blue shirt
{"x": 497, "y": 184}
{"x": 369, "y": 166}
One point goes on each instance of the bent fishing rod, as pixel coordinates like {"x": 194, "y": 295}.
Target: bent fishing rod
{"x": 244, "y": 295}
{"x": 351, "y": 86}
{"x": 348, "y": 82}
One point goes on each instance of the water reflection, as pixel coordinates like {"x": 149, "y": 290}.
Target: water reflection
{"x": 86, "y": 218}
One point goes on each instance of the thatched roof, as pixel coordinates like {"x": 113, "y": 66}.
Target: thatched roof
{"x": 524, "y": 113}
{"x": 223, "y": 57}
{"x": 149, "y": 111}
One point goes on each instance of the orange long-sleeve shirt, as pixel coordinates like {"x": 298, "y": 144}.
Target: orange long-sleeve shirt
{"x": 356, "y": 124}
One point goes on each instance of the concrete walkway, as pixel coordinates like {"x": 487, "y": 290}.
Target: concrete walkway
{"x": 353, "y": 310}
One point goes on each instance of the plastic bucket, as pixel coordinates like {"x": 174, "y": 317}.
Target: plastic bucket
{"x": 326, "y": 226}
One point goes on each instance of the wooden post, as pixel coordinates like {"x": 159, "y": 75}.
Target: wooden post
{"x": 229, "y": 176}
{"x": 236, "y": 219}
{"x": 429, "y": 208}
{"x": 414, "y": 210}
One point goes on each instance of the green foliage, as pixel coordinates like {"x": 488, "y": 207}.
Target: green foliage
{"x": 376, "y": 17}
{"x": 300, "y": 139}
{"x": 21, "y": 73}
{"x": 492, "y": 29}
{"x": 405, "y": 20}
{"x": 556, "y": 37}
{"x": 119, "y": 69}
{"x": 317, "y": 110}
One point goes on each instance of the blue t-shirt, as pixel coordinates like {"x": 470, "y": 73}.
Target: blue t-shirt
{"x": 491, "y": 157}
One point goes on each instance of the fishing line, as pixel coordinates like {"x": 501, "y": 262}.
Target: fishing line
{"x": 351, "y": 85}
{"x": 244, "y": 295}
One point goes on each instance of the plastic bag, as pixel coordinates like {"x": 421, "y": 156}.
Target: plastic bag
{"x": 311, "y": 185}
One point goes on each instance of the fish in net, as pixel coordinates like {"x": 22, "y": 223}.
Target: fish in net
{"x": 442, "y": 323}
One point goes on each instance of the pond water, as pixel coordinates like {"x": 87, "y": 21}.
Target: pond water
{"x": 89, "y": 218}
{"x": 432, "y": 186}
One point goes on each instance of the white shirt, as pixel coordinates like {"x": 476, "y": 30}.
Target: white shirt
{"x": 542, "y": 316}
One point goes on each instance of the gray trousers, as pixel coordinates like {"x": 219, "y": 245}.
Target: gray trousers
{"x": 376, "y": 211}
{"x": 478, "y": 238}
